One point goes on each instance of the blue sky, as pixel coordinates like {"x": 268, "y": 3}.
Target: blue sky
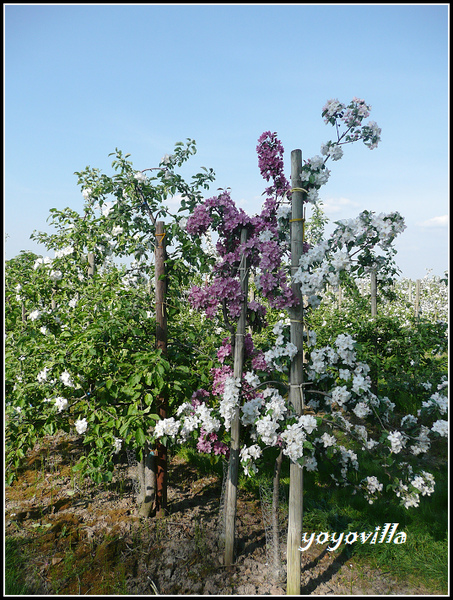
{"x": 82, "y": 80}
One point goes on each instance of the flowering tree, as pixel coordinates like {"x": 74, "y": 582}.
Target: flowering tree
{"x": 80, "y": 351}
{"x": 344, "y": 422}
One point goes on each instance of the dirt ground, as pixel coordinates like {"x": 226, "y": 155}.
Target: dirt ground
{"x": 83, "y": 539}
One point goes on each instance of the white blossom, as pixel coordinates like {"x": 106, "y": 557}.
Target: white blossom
{"x": 65, "y": 378}
{"x": 340, "y": 395}
{"x": 42, "y": 375}
{"x": 117, "y": 230}
{"x": 56, "y": 275}
{"x": 64, "y": 252}
{"x": 441, "y": 427}
{"x": 139, "y": 176}
{"x": 168, "y": 427}
{"x": 230, "y": 400}
{"x": 361, "y": 410}
{"x": 397, "y": 441}
{"x": 62, "y": 404}
{"x": 373, "y": 484}
{"x": 81, "y": 425}
{"x": 328, "y": 440}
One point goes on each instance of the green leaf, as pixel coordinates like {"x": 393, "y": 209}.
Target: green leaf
{"x": 134, "y": 379}
{"x": 140, "y": 437}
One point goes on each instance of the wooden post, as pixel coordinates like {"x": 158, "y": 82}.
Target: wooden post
{"x": 275, "y": 522}
{"x": 90, "y": 264}
{"x": 161, "y": 342}
{"x": 233, "y": 466}
{"x": 147, "y": 478}
{"x": 296, "y": 314}
{"x": 373, "y": 293}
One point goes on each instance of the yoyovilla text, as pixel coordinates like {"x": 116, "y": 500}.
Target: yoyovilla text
{"x": 380, "y": 535}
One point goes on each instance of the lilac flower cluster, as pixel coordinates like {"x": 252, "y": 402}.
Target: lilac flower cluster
{"x": 209, "y": 442}
{"x": 263, "y": 250}
{"x": 270, "y": 163}
{"x": 208, "y": 298}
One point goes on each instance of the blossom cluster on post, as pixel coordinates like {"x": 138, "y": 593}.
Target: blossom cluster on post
{"x": 351, "y": 243}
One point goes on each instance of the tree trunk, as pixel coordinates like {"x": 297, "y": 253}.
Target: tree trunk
{"x": 233, "y": 467}
{"x": 91, "y": 266}
{"x": 417, "y": 298}
{"x": 161, "y": 342}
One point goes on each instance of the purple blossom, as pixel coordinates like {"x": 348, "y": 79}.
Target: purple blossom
{"x": 270, "y": 163}
{"x": 263, "y": 248}
{"x": 259, "y": 362}
{"x": 224, "y": 351}
{"x": 199, "y": 221}
{"x": 257, "y": 308}
{"x": 199, "y": 397}
{"x": 210, "y": 297}
{"x": 219, "y": 375}
{"x": 201, "y": 299}
{"x": 248, "y": 345}
{"x": 204, "y": 444}
{"x": 221, "y": 448}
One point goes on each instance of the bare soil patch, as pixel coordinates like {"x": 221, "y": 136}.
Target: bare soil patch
{"x": 80, "y": 538}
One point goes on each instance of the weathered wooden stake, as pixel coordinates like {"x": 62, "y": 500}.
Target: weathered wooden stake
{"x": 161, "y": 342}
{"x": 233, "y": 467}
{"x": 275, "y": 523}
{"x": 90, "y": 264}
{"x": 147, "y": 477}
{"x": 296, "y": 314}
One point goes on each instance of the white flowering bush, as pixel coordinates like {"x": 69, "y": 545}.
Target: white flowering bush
{"x": 407, "y": 354}
{"x": 80, "y": 348}
{"x": 344, "y": 423}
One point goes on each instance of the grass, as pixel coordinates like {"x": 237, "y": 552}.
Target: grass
{"x": 15, "y": 562}
{"x": 422, "y": 560}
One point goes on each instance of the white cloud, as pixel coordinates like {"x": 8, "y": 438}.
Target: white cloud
{"x": 174, "y": 201}
{"x": 336, "y": 205}
{"x": 435, "y": 222}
